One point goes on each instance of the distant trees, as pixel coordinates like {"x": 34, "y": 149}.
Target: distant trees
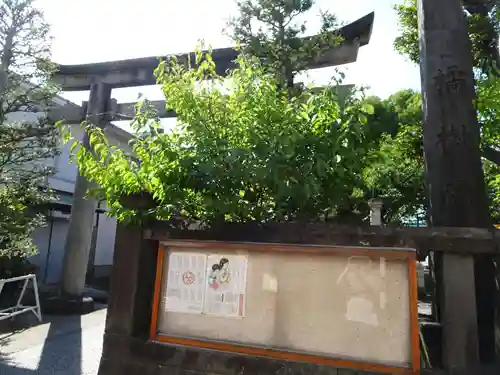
{"x": 25, "y": 144}
{"x": 274, "y": 31}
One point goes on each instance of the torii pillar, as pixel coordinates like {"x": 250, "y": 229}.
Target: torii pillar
{"x": 79, "y": 235}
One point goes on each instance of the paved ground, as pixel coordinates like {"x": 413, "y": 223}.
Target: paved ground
{"x": 65, "y": 345}
{"x": 69, "y": 345}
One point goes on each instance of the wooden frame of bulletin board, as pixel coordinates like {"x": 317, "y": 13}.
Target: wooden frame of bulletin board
{"x": 397, "y": 254}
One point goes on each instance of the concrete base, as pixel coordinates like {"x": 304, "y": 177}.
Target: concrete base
{"x": 97, "y": 295}
{"x": 68, "y": 306}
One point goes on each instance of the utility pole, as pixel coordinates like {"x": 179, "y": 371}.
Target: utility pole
{"x": 455, "y": 177}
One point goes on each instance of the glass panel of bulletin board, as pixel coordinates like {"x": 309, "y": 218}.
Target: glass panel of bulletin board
{"x": 315, "y": 303}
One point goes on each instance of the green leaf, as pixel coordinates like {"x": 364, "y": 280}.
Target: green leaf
{"x": 368, "y": 108}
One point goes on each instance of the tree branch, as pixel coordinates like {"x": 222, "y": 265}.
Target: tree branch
{"x": 489, "y": 47}
{"x": 491, "y": 154}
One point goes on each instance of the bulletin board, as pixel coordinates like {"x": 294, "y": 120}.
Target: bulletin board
{"x": 341, "y": 306}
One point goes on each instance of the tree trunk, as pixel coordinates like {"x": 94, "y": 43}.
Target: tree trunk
{"x": 4, "y": 69}
{"x": 79, "y": 236}
{"x": 455, "y": 177}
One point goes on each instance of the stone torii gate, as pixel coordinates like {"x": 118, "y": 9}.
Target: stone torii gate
{"x": 451, "y": 143}
{"x": 100, "y": 79}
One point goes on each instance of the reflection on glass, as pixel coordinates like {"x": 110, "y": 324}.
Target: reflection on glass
{"x": 360, "y": 306}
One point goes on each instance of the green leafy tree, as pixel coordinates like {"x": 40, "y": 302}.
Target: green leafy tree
{"x": 396, "y": 174}
{"x": 242, "y": 151}
{"x": 25, "y": 145}
{"x": 488, "y": 105}
{"x": 275, "y": 32}
{"x": 484, "y": 25}
{"x": 395, "y": 167}
{"x": 492, "y": 176}
{"x": 272, "y": 29}
{"x": 389, "y": 115}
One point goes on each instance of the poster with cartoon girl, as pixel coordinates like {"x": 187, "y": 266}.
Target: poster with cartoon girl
{"x": 226, "y": 283}
{"x": 219, "y": 274}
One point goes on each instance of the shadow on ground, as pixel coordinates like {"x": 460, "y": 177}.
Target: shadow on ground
{"x": 59, "y": 353}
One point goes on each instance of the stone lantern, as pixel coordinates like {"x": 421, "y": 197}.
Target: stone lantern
{"x": 375, "y": 205}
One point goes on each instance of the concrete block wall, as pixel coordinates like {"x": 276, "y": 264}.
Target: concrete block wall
{"x": 126, "y": 346}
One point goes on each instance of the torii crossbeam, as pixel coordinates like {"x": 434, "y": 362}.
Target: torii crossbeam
{"x": 139, "y": 72}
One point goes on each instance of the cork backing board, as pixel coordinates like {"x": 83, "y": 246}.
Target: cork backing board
{"x": 340, "y": 306}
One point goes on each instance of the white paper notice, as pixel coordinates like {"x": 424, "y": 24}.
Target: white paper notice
{"x": 186, "y": 282}
{"x": 226, "y": 285}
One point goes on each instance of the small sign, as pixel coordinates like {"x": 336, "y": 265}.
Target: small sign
{"x": 186, "y": 282}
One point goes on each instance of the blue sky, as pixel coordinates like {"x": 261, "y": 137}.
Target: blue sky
{"x": 102, "y": 30}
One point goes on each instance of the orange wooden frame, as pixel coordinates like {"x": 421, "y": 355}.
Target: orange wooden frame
{"x": 388, "y": 253}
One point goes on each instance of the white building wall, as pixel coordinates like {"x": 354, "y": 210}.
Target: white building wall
{"x": 105, "y": 241}
{"x": 65, "y": 176}
{"x": 51, "y": 238}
